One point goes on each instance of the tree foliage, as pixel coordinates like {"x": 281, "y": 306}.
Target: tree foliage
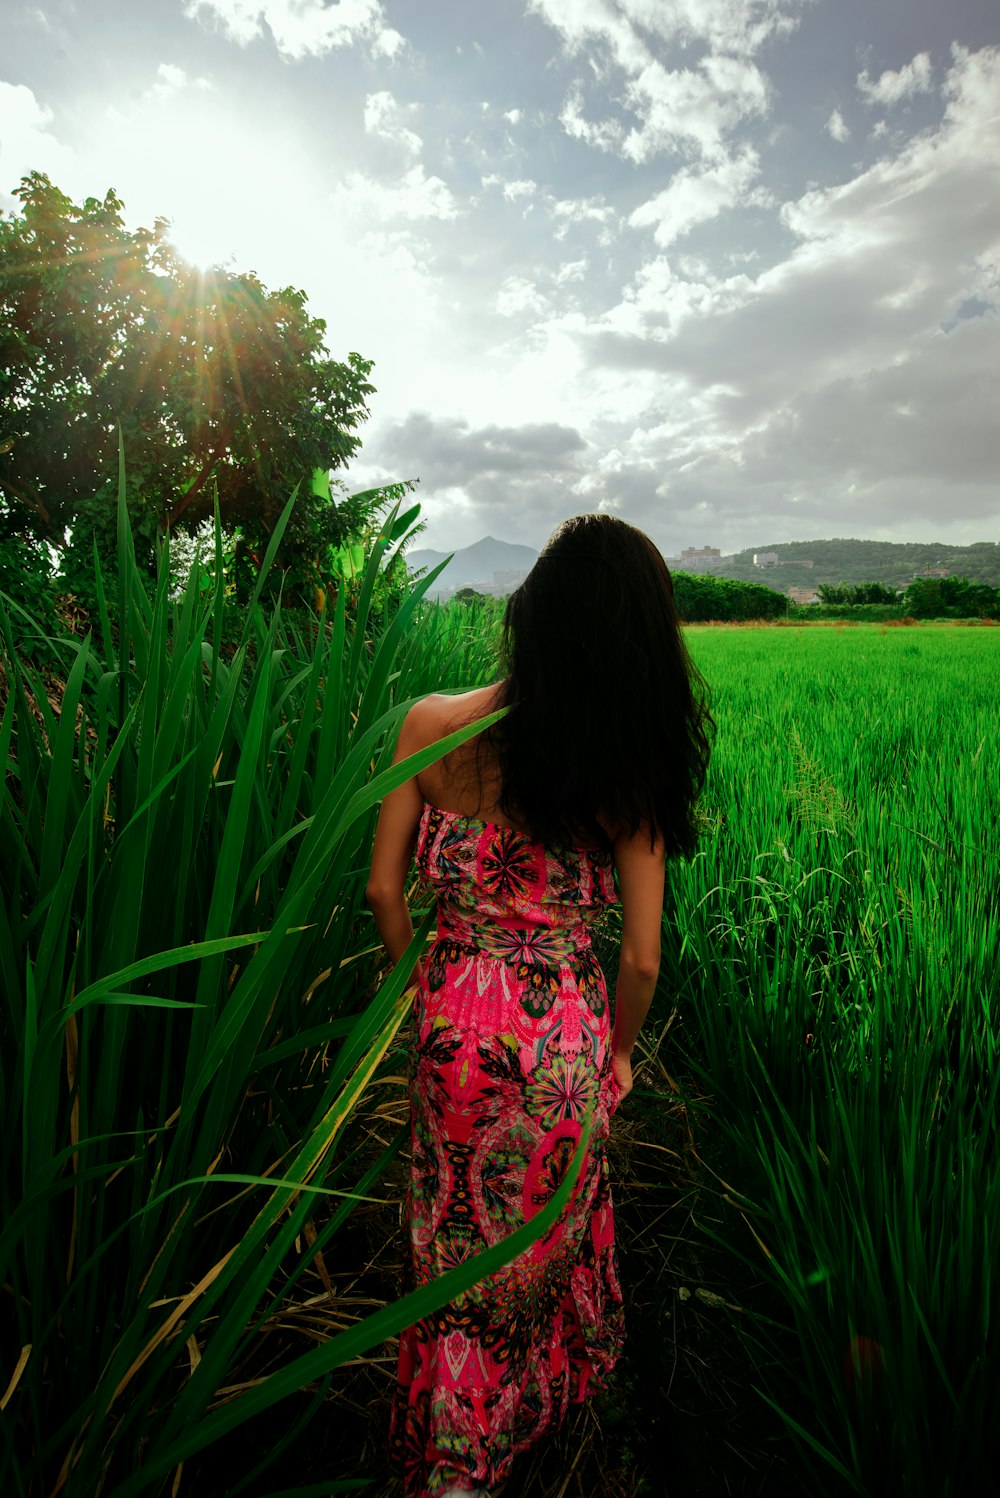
{"x": 951, "y": 598}
{"x": 853, "y": 594}
{"x": 700, "y": 597}
{"x": 924, "y": 597}
{"x": 219, "y": 386}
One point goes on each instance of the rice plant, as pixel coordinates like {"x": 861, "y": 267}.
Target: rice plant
{"x": 835, "y": 952}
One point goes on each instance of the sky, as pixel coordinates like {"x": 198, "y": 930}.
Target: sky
{"x": 727, "y": 268}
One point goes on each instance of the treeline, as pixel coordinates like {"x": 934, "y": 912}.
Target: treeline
{"x": 925, "y": 598}
{"x": 701, "y": 597}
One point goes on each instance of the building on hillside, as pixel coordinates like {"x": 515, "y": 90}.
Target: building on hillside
{"x": 766, "y": 559}
{"x": 699, "y": 558}
{"x": 936, "y": 572}
{"x": 803, "y": 562}
{"x": 504, "y": 581}
{"x": 508, "y": 578}
{"x": 803, "y": 595}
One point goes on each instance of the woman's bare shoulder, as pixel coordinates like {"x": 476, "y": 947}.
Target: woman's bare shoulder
{"x": 440, "y": 713}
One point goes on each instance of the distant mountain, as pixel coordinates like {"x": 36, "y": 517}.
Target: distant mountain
{"x": 800, "y": 563}
{"x": 475, "y": 566}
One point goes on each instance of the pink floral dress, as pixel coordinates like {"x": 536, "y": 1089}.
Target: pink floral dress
{"x": 510, "y": 1050}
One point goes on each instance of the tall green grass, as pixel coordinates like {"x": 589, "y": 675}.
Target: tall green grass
{"x": 834, "y": 949}
{"x": 191, "y": 1011}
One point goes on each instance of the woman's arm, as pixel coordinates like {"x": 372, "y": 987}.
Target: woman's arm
{"x": 395, "y": 837}
{"x": 640, "y": 884}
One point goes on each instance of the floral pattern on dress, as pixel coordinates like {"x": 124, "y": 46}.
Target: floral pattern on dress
{"x": 510, "y": 1053}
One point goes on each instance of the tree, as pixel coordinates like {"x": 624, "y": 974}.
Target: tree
{"x": 699, "y": 597}
{"x": 852, "y": 594}
{"x": 951, "y": 598}
{"x": 219, "y": 387}
{"x": 872, "y": 593}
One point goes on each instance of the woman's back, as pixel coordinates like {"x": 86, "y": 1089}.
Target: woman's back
{"x": 467, "y": 781}
{"x": 453, "y": 784}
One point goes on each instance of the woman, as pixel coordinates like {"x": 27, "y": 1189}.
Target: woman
{"x": 588, "y": 783}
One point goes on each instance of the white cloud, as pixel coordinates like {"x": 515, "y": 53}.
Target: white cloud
{"x": 971, "y": 86}
{"x": 733, "y": 27}
{"x": 413, "y": 196}
{"x": 302, "y": 28}
{"x": 569, "y": 271}
{"x": 172, "y": 76}
{"x": 578, "y": 210}
{"x": 513, "y": 116}
{"x": 677, "y": 109}
{"x": 514, "y": 189}
{"x": 568, "y": 214}
{"x": 517, "y": 296}
{"x": 384, "y": 117}
{"x": 694, "y": 197}
{"x": 890, "y": 88}
{"x": 604, "y": 135}
{"x": 388, "y": 43}
{"x": 837, "y": 127}
{"x": 882, "y": 258}
{"x": 519, "y": 187}
{"x": 172, "y": 80}
{"x": 26, "y": 142}
{"x": 662, "y": 298}
{"x": 580, "y": 21}
{"x": 693, "y": 107}
{"x": 834, "y": 367}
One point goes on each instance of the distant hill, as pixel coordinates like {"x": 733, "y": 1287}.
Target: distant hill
{"x": 894, "y": 563}
{"x": 474, "y": 566}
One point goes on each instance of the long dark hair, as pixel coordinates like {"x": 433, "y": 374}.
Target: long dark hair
{"x": 609, "y": 716}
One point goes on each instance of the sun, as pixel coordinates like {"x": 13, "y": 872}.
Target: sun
{"x": 198, "y": 243}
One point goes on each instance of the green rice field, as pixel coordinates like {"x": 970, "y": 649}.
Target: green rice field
{"x": 200, "y": 1076}
{"x": 834, "y": 954}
